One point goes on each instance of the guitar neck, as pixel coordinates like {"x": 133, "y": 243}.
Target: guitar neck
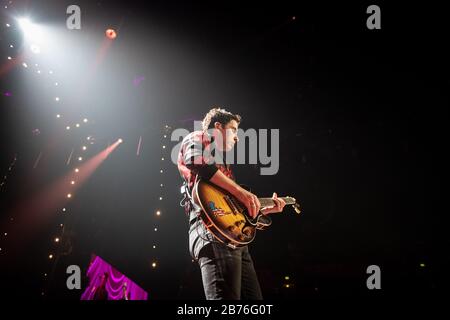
{"x": 268, "y": 202}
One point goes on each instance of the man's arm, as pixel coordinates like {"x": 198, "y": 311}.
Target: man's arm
{"x": 247, "y": 198}
{"x": 194, "y": 160}
{"x": 243, "y": 195}
{"x": 278, "y": 206}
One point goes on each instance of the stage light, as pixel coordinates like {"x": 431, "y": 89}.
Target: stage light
{"x": 32, "y": 32}
{"x": 64, "y": 209}
{"x": 8, "y": 25}
{"x": 9, "y": 58}
{"x": 69, "y": 195}
{"x": 422, "y": 265}
{"x": 158, "y": 213}
{"x": 164, "y": 147}
{"x": 50, "y": 256}
{"x": 56, "y": 99}
{"x": 156, "y": 229}
{"x": 77, "y": 170}
{"x": 77, "y": 125}
{"x": 67, "y": 128}
{"x": 24, "y": 23}
{"x": 286, "y": 278}
{"x": 50, "y": 72}
{"x": 85, "y": 120}
{"x": 61, "y": 225}
{"x": 160, "y": 198}
{"x": 84, "y": 148}
{"x": 25, "y": 65}
{"x": 56, "y": 83}
{"x": 154, "y": 265}
{"x": 111, "y": 34}
{"x": 162, "y": 159}
{"x": 56, "y": 239}
{"x": 120, "y": 140}
{"x": 161, "y": 171}
{"x": 58, "y": 116}
{"x": 71, "y": 182}
{"x": 165, "y": 136}
{"x": 11, "y": 46}
{"x": 161, "y": 185}
{"x": 39, "y": 71}
{"x": 6, "y": 233}
{"x": 154, "y": 247}
{"x": 35, "y": 49}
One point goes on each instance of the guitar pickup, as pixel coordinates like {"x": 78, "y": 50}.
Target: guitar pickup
{"x": 230, "y": 203}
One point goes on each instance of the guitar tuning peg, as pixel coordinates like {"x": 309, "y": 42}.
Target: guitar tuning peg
{"x": 297, "y": 208}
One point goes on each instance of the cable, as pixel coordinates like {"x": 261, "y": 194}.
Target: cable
{"x": 197, "y": 209}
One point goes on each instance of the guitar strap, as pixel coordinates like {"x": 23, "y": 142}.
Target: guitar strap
{"x": 191, "y": 209}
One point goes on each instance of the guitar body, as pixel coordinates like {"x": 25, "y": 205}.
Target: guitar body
{"x": 226, "y": 218}
{"x": 223, "y": 215}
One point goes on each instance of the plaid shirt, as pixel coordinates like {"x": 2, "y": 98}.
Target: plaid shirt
{"x": 197, "y": 158}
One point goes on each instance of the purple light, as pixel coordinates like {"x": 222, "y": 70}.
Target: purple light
{"x": 137, "y": 81}
{"x": 8, "y": 94}
{"x": 107, "y": 283}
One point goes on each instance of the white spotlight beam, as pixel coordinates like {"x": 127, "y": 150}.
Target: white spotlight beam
{"x": 33, "y": 33}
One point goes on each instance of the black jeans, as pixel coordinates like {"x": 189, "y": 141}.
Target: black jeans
{"x": 228, "y": 273}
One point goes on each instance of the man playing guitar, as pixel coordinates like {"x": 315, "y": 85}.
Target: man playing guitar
{"x": 227, "y": 273}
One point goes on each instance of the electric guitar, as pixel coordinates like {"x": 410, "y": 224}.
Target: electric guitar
{"x": 227, "y": 219}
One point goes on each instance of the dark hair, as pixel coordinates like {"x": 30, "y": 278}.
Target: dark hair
{"x": 218, "y": 115}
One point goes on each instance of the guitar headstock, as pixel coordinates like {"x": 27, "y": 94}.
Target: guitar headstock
{"x": 293, "y": 202}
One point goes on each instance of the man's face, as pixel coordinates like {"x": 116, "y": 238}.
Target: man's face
{"x": 227, "y": 134}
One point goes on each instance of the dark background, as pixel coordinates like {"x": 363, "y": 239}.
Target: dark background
{"x": 361, "y": 119}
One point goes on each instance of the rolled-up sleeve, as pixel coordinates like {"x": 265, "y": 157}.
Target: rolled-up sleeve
{"x": 195, "y": 157}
